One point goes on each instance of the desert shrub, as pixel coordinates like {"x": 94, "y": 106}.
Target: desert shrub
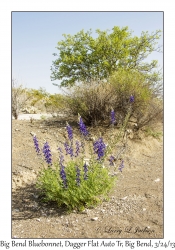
{"x": 152, "y": 113}
{"x": 93, "y": 101}
{"x": 55, "y": 103}
{"x": 126, "y": 83}
{"x": 37, "y": 95}
{"x": 20, "y": 98}
{"x": 75, "y": 181}
{"x": 125, "y": 92}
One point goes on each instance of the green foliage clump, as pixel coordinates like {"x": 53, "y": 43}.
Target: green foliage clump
{"x": 151, "y": 132}
{"x": 55, "y": 103}
{"x": 83, "y": 58}
{"x": 76, "y": 181}
{"x": 37, "y": 95}
{"x": 89, "y": 192}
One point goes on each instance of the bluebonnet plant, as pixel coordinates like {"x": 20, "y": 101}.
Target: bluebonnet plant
{"x": 78, "y": 176}
{"x": 121, "y": 165}
{"x": 85, "y": 171}
{"x": 69, "y": 131}
{"x": 113, "y": 119}
{"x": 36, "y": 144}
{"x": 99, "y": 148}
{"x": 131, "y": 99}
{"x": 82, "y": 127}
{"x": 47, "y": 153}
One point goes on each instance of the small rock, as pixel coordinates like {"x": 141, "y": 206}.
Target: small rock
{"x": 17, "y": 129}
{"x": 32, "y": 133}
{"x": 144, "y": 209}
{"x": 16, "y": 210}
{"x": 94, "y": 219}
{"x": 157, "y": 180}
{"x": 102, "y": 210}
{"x": 38, "y": 220}
{"x": 124, "y": 198}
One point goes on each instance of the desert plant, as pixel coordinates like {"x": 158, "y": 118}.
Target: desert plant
{"x": 93, "y": 101}
{"x": 19, "y": 98}
{"x": 146, "y": 106}
{"x": 55, "y": 103}
{"x": 152, "y": 132}
{"x": 72, "y": 181}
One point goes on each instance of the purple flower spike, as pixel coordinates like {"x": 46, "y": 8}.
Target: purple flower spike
{"x": 121, "y": 166}
{"x": 131, "y": 99}
{"x": 47, "y": 153}
{"x": 36, "y": 144}
{"x": 69, "y": 131}
{"x": 111, "y": 160}
{"x": 63, "y": 176}
{"x": 82, "y": 127}
{"x": 99, "y": 148}
{"x": 113, "y": 119}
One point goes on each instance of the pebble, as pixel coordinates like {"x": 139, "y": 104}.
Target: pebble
{"x": 37, "y": 219}
{"x": 144, "y": 209}
{"x": 16, "y": 210}
{"x": 124, "y": 198}
{"x": 84, "y": 212}
{"x": 102, "y": 210}
{"x": 157, "y": 180}
{"x": 32, "y": 133}
{"x": 94, "y": 219}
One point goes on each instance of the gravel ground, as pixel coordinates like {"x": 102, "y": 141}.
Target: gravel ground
{"x": 135, "y": 207}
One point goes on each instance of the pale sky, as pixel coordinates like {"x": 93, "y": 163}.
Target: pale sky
{"x": 35, "y": 36}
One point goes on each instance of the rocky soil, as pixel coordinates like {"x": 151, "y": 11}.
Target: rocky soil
{"x": 135, "y": 207}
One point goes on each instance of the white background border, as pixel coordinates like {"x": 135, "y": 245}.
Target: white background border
{"x": 5, "y": 93}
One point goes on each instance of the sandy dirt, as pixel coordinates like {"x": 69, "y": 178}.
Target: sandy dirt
{"x": 135, "y": 207}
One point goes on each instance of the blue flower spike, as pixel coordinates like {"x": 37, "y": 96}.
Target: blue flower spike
{"x": 47, "y": 153}
{"x": 36, "y": 144}
{"x": 82, "y": 127}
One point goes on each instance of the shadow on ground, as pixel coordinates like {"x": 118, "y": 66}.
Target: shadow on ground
{"x": 26, "y": 204}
